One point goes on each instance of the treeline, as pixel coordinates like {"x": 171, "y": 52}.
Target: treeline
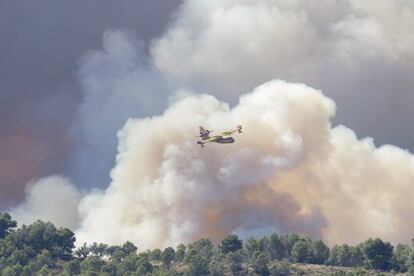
{"x": 43, "y": 249}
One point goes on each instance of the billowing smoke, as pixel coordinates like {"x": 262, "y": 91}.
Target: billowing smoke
{"x": 53, "y": 198}
{"x": 288, "y": 171}
{"x": 360, "y": 53}
{"x": 118, "y": 83}
{"x": 291, "y": 169}
{"x": 41, "y": 43}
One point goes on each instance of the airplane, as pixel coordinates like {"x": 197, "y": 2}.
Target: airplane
{"x": 224, "y": 138}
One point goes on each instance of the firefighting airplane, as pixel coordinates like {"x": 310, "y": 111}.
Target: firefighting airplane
{"x": 223, "y": 138}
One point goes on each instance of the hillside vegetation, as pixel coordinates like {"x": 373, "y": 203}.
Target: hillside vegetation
{"x": 43, "y": 249}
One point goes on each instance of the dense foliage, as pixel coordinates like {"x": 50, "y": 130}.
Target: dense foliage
{"x": 43, "y": 249}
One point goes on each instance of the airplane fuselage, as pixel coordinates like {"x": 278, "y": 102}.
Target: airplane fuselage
{"x": 224, "y": 138}
{"x": 220, "y": 139}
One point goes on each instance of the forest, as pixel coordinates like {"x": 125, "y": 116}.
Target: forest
{"x": 43, "y": 249}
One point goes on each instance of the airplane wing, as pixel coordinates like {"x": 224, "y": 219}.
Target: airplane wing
{"x": 204, "y": 134}
{"x": 228, "y": 133}
{"x": 202, "y": 130}
{"x": 207, "y": 140}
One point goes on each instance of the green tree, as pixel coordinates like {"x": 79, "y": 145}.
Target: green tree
{"x": 13, "y": 270}
{"x": 65, "y": 243}
{"x": 98, "y": 249}
{"x": 127, "y": 265}
{"x": 253, "y": 245}
{"x": 218, "y": 264}
{"x": 230, "y": 243}
{"x": 44, "y": 271}
{"x": 116, "y": 253}
{"x": 259, "y": 264}
{"x": 301, "y": 250}
{"x": 144, "y": 267}
{"x": 333, "y": 256}
{"x": 203, "y": 248}
{"x": 82, "y": 252}
{"x": 345, "y": 255}
{"x": 128, "y": 247}
{"x": 108, "y": 268}
{"x": 44, "y": 236}
{"x": 198, "y": 257}
{"x": 155, "y": 255}
{"x": 320, "y": 252}
{"x": 44, "y": 259}
{"x": 377, "y": 254}
{"x": 401, "y": 257}
{"x": 410, "y": 261}
{"x": 356, "y": 256}
{"x": 6, "y": 224}
{"x": 36, "y": 245}
{"x": 288, "y": 242}
{"x": 91, "y": 265}
{"x": 197, "y": 265}
{"x": 235, "y": 259}
{"x": 180, "y": 253}
{"x": 167, "y": 257}
{"x": 31, "y": 268}
{"x": 72, "y": 267}
{"x": 276, "y": 248}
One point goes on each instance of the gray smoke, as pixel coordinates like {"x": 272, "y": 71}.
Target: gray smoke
{"x": 53, "y": 198}
{"x": 118, "y": 83}
{"x": 39, "y": 94}
{"x": 290, "y": 170}
{"x": 360, "y": 53}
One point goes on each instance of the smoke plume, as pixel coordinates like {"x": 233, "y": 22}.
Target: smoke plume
{"x": 53, "y": 198}
{"x": 288, "y": 171}
{"x": 360, "y": 53}
{"x": 292, "y": 169}
{"x": 39, "y": 97}
{"x": 118, "y": 83}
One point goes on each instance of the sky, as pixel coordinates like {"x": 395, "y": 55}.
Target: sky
{"x": 81, "y": 81}
{"x": 42, "y": 43}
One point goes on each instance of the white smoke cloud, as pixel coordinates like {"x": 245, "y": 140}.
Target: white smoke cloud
{"x": 360, "y": 53}
{"x": 288, "y": 171}
{"x": 237, "y": 45}
{"x": 362, "y": 189}
{"x": 53, "y": 198}
{"x": 118, "y": 83}
{"x": 165, "y": 190}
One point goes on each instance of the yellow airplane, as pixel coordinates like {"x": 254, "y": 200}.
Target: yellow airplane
{"x": 224, "y": 138}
